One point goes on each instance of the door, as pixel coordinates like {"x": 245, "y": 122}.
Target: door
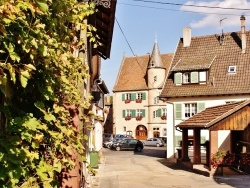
{"x": 141, "y": 132}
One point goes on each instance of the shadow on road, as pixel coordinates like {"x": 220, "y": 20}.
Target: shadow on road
{"x": 152, "y": 152}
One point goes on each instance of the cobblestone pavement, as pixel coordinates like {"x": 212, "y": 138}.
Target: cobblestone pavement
{"x": 149, "y": 169}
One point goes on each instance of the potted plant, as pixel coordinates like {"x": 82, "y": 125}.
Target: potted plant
{"x": 164, "y": 117}
{"x": 139, "y": 118}
{"x": 138, "y": 100}
{"x": 128, "y": 118}
{"x": 127, "y": 101}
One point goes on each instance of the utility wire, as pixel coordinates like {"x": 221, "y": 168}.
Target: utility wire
{"x": 124, "y": 36}
{"x": 150, "y": 83}
{"x": 198, "y": 12}
{"x": 197, "y": 6}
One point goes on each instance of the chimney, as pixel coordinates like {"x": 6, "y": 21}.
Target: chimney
{"x": 186, "y": 36}
{"x": 243, "y": 34}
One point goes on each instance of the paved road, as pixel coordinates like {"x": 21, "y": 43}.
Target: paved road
{"x": 150, "y": 169}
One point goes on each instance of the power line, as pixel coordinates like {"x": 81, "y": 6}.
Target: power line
{"x": 197, "y": 6}
{"x": 198, "y": 12}
{"x": 124, "y": 36}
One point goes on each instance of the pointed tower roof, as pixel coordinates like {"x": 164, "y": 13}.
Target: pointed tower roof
{"x": 155, "y": 59}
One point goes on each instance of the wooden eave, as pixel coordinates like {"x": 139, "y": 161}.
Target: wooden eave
{"x": 103, "y": 21}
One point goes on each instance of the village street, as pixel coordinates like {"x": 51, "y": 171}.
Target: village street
{"x": 150, "y": 169}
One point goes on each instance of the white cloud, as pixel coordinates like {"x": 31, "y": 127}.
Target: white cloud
{"x": 212, "y": 16}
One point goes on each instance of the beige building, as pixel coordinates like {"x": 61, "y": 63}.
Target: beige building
{"x": 137, "y": 109}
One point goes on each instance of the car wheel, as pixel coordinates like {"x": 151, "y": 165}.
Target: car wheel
{"x": 118, "y": 148}
{"x": 109, "y": 146}
{"x": 139, "y": 149}
{"x": 158, "y": 145}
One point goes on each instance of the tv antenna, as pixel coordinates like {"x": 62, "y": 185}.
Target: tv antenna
{"x": 222, "y": 34}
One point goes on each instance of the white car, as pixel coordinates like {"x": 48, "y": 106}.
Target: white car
{"x": 154, "y": 142}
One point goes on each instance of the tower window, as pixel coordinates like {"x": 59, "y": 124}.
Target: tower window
{"x": 232, "y": 69}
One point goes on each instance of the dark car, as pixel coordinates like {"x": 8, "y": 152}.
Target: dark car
{"x": 128, "y": 144}
{"x": 108, "y": 144}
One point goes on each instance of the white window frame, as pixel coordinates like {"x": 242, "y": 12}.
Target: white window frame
{"x": 139, "y": 96}
{"x": 155, "y": 78}
{"x": 139, "y": 112}
{"x": 156, "y": 100}
{"x": 190, "y": 109}
{"x": 154, "y": 114}
{"x": 127, "y": 96}
{"x": 164, "y": 112}
{"x": 186, "y": 78}
{"x": 128, "y": 113}
{"x": 232, "y": 69}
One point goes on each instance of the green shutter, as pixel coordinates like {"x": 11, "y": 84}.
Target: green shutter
{"x": 200, "y": 107}
{"x": 158, "y": 113}
{"x": 143, "y": 96}
{"x": 178, "y": 78}
{"x": 143, "y": 112}
{"x": 123, "y": 113}
{"x": 194, "y": 77}
{"x": 133, "y": 113}
{"x": 123, "y": 97}
{"x": 178, "y": 111}
{"x": 133, "y": 96}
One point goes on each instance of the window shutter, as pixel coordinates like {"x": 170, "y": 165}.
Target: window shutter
{"x": 200, "y": 107}
{"x": 133, "y": 113}
{"x": 123, "y": 114}
{"x": 194, "y": 77}
{"x": 143, "y": 113}
{"x": 123, "y": 97}
{"x": 178, "y": 111}
{"x": 158, "y": 113}
{"x": 203, "y": 76}
{"x": 178, "y": 78}
{"x": 143, "y": 96}
{"x": 133, "y": 96}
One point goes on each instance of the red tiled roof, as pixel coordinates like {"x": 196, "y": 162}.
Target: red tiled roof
{"x": 212, "y": 115}
{"x": 206, "y": 52}
{"x": 132, "y": 74}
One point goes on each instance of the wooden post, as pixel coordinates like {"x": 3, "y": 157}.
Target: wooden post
{"x": 197, "y": 147}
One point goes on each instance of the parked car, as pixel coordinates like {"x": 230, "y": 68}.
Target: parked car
{"x": 107, "y": 144}
{"x": 107, "y": 137}
{"x": 164, "y": 138}
{"x": 154, "y": 142}
{"x": 128, "y": 144}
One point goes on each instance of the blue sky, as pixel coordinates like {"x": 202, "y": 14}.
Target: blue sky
{"x": 142, "y": 21}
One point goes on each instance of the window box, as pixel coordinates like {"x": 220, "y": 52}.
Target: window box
{"x": 138, "y": 100}
{"x": 163, "y": 117}
{"x": 139, "y": 118}
{"x": 127, "y": 101}
{"x": 127, "y": 118}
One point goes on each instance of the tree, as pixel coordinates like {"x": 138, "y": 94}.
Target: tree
{"x": 39, "y": 79}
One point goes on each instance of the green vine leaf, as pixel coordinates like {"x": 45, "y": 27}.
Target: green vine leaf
{"x": 42, "y": 5}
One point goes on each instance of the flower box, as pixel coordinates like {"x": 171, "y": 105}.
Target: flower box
{"x": 163, "y": 117}
{"x": 127, "y": 101}
{"x": 139, "y": 118}
{"x": 127, "y": 118}
{"x": 138, "y": 100}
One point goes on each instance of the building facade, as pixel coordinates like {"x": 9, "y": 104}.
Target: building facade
{"x": 138, "y": 112}
{"x": 206, "y": 71}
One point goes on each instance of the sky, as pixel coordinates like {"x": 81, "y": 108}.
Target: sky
{"x": 139, "y": 23}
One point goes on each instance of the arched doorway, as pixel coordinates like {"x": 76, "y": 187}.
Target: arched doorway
{"x": 141, "y": 132}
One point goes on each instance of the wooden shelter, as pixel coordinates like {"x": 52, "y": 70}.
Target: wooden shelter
{"x": 233, "y": 116}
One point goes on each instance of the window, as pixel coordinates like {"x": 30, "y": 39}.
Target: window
{"x": 164, "y": 132}
{"x": 128, "y": 113}
{"x": 164, "y": 112}
{"x": 190, "y": 109}
{"x": 155, "y": 78}
{"x": 128, "y": 96}
{"x": 232, "y": 69}
{"x": 138, "y": 112}
{"x": 194, "y": 77}
{"x": 154, "y": 114}
{"x": 139, "y": 96}
{"x": 124, "y": 129}
{"x": 186, "y": 77}
{"x": 156, "y": 100}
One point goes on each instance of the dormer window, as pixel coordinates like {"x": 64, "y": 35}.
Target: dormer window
{"x": 186, "y": 77}
{"x": 232, "y": 69}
